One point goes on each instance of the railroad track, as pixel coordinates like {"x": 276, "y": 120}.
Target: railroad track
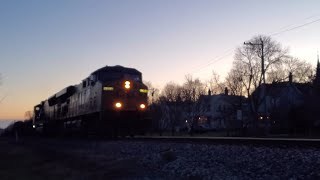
{"x": 255, "y": 141}
{"x": 285, "y": 142}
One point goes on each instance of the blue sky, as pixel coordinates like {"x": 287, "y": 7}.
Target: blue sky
{"x": 47, "y": 45}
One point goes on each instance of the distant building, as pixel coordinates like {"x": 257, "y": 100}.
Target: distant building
{"x": 288, "y": 105}
{"x": 278, "y": 100}
{"x": 222, "y": 111}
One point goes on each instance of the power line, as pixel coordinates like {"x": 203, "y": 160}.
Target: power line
{"x": 296, "y": 27}
{"x": 292, "y": 24}
{"x": 229, "y": 51}
{"x": 215, "y": 60}
{"x": 3, "y": 98}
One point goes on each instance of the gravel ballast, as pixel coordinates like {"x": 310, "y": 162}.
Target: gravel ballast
{"x": 165, "y": 160}
{"x": 211, "y": 161}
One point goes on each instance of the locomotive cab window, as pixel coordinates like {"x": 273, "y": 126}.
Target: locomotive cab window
{"x": 109, "y": 76}
{"x": 92, "y": 80}
{"x": 134, "y": 77}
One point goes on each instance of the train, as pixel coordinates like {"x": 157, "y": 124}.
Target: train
{"x": 111, "y": 101}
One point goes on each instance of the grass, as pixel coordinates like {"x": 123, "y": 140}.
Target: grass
{"x": 19, "y": 163}
{"x": 36, "y": 161}
{"x": 26, "y": 162}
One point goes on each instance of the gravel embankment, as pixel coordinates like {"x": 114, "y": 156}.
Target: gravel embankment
{"x": 203, "y": 161}
{"x": 154, "y": 160}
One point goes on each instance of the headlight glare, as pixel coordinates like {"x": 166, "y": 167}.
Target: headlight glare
{"x": 118, "y": 105}
{"x": 127, "y": 84}
{"x": 142, "y": 106}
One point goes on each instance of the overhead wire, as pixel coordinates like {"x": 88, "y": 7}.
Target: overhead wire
{"x": 291, "y": 25}
{"x": 2, "y": 99}
{"x": 286, "y": 29}
{"x": 295, "y": 27}
{"x": 215, "y": 60}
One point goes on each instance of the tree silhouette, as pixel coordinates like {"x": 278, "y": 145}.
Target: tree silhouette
{"x": 249, "y": 71}
{"x": 302, "y": 71}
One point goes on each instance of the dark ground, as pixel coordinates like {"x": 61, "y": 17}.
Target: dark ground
{"x": 97, "y": 158}
{"x": 40, "y": 159}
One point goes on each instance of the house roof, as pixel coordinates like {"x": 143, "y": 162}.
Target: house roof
{"x": 232, "y": 99}
{"x": 278, "y": 89}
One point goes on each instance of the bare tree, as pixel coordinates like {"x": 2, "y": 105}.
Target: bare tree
{"x": 248, "y": 60}
{"x": 169, "y": 105}
{"x": 176, "y": 99}
{"x": 171, "y": 91}
{"x": 234, "y": 82}
{"x": 248, "y": 63}
{"x": 302, "y": 71}
{"x": 215, "y": 84}
{"x": 28, "y": 115}
{"x": 192, "y": 90}
{"x": 153, "y": 93}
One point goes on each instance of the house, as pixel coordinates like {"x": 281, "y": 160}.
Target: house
{"x": 222, "y": 111}
{"x": 277, "y": 101}
{"x": 289, "y": 106}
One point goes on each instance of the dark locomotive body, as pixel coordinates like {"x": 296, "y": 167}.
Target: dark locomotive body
{"x": 112, "y": 100}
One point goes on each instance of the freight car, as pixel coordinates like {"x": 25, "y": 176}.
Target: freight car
{"x": 111, "y": 101}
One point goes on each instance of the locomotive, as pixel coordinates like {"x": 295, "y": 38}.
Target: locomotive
{"x": 111, "y": 101}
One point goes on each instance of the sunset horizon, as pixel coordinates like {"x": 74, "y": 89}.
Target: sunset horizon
{"x": 47, "y": 46}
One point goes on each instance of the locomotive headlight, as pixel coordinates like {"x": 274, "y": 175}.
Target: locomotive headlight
{"x": 118, "y": 105}
{"x": 127, "y": 84}
{"x": 34, "y": 126}
{"x": 142, "y": 106}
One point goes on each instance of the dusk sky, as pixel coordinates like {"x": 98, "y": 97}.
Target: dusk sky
{"x": 48, "y": 45}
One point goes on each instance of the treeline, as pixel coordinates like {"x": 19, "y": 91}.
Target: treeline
{"x": 245, "y": 77}
{"x": 246, "y": 74}
{"x": 19, "y": 128}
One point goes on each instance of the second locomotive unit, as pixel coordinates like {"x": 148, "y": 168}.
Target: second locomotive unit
{"x": 112, "y": 100}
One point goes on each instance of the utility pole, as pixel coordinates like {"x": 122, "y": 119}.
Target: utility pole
{"x": 261, "y": 44}
{"x": 262, "y": 56}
